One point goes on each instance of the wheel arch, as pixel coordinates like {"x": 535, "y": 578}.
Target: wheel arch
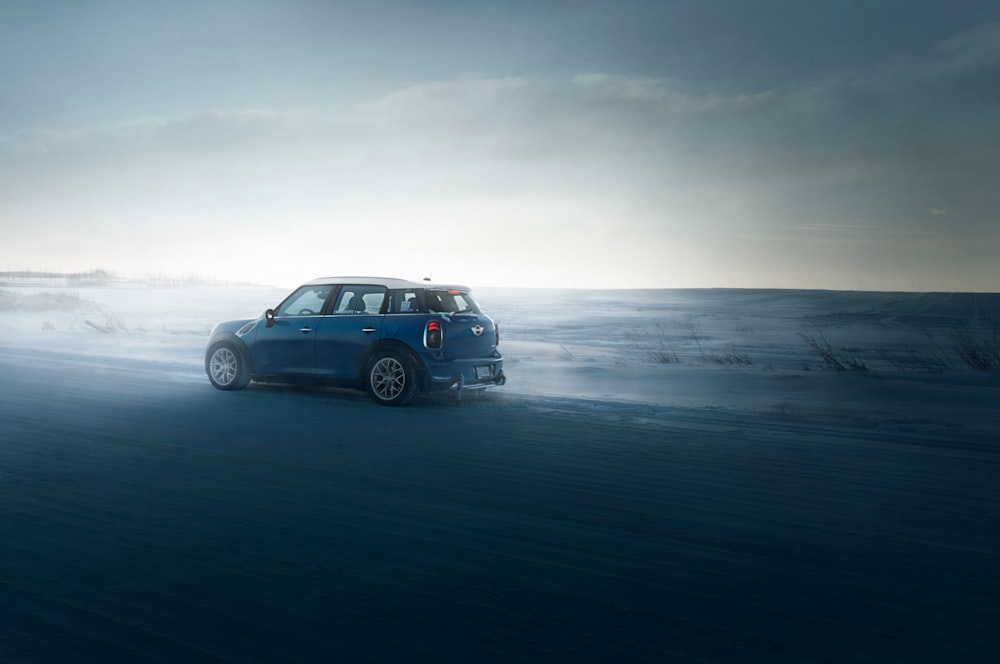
{"x": 232, "y": 339}
{"x": 396, "y": 346}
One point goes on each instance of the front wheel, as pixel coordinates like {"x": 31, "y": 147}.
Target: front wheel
{"x": 391, "y": 379}
{"x": 227, "y": 367}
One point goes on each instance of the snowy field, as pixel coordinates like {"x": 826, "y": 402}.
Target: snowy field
{"x": 901, "y": 354}
{"x": 669, "y": 475}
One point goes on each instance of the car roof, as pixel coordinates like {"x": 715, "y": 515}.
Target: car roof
{"x": 388, "y": 282}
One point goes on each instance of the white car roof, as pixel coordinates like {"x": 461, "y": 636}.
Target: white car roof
{"x": 388, "y": 282}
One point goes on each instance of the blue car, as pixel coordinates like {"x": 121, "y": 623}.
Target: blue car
{"x": 391, "y": 337}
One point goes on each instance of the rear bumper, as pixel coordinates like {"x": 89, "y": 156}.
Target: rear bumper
{"x": 457, "y": 375}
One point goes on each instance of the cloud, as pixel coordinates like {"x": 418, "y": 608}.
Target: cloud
{"x": 194, "y": 134}
{"x": 926, "y": 119}
{"x": 913, "y": 122}
{"x": 463, "y": 90}
{"x": 973, "y": 46}
{"x": 638, "y": 88}
{"x": 665, "y": 93}
{"x": 885, "y": 114}
{"x": 440, "y": 103}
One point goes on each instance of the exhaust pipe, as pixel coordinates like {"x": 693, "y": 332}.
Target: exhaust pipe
{"x": 501, "y": 379}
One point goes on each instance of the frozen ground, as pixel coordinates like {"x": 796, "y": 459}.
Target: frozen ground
{"x": 668, "y": 475}
{"x": 729, "y": 349}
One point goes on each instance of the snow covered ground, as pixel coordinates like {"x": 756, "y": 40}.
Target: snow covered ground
{"x": 732, "y": 349}
{"x": 703, "y": 475}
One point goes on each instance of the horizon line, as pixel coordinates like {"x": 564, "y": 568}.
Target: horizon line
{"x": 98, "y": 275}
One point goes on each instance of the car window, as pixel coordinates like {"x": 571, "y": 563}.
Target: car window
{"x": 450, "y": 302}
{"x": 359, "y": 300}
{"x": 306, "y": 301}
{"x": 404, "y": 301}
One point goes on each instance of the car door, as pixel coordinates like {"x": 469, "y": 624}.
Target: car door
{"x": 288, "y": 347}
{"x": 354, "y": 322}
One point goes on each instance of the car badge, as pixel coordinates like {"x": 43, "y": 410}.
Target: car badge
{"x": 477, "y": 330}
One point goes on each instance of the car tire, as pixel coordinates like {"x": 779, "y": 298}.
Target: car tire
{"x": 391, "y": 379}
{"x": 227, "y": 367}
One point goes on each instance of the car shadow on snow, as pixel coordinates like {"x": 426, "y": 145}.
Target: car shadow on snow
{"x": 444, "y": 399}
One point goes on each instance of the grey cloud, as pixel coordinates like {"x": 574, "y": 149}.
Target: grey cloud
{"x": 196, "y": 133}
{"x": 907, "y": 123}
{"x": 665, "y": 93}
{"x": 970, "y": 47}
{"x": 900, "y": 115}
{"x": 440, "y": 104}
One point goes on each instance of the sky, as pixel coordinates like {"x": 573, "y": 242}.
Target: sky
{"x": 848, "y": 144}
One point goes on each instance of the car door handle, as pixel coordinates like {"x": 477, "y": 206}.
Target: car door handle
{"x": 368, "y": 330}
{"x": 305, "y": 330}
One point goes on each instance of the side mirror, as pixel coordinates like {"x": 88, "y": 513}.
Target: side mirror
{"x": 269, "y": 318}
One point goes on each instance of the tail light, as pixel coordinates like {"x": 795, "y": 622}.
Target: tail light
{"x": 433, "y": 335}
{"x": 497, "y": 329}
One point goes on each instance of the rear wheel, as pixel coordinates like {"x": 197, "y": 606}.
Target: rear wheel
{"x": 391, "y": 379}
{"x": 227, "y": 367}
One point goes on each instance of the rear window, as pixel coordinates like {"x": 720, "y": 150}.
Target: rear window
{"x": 450, "y": 302}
